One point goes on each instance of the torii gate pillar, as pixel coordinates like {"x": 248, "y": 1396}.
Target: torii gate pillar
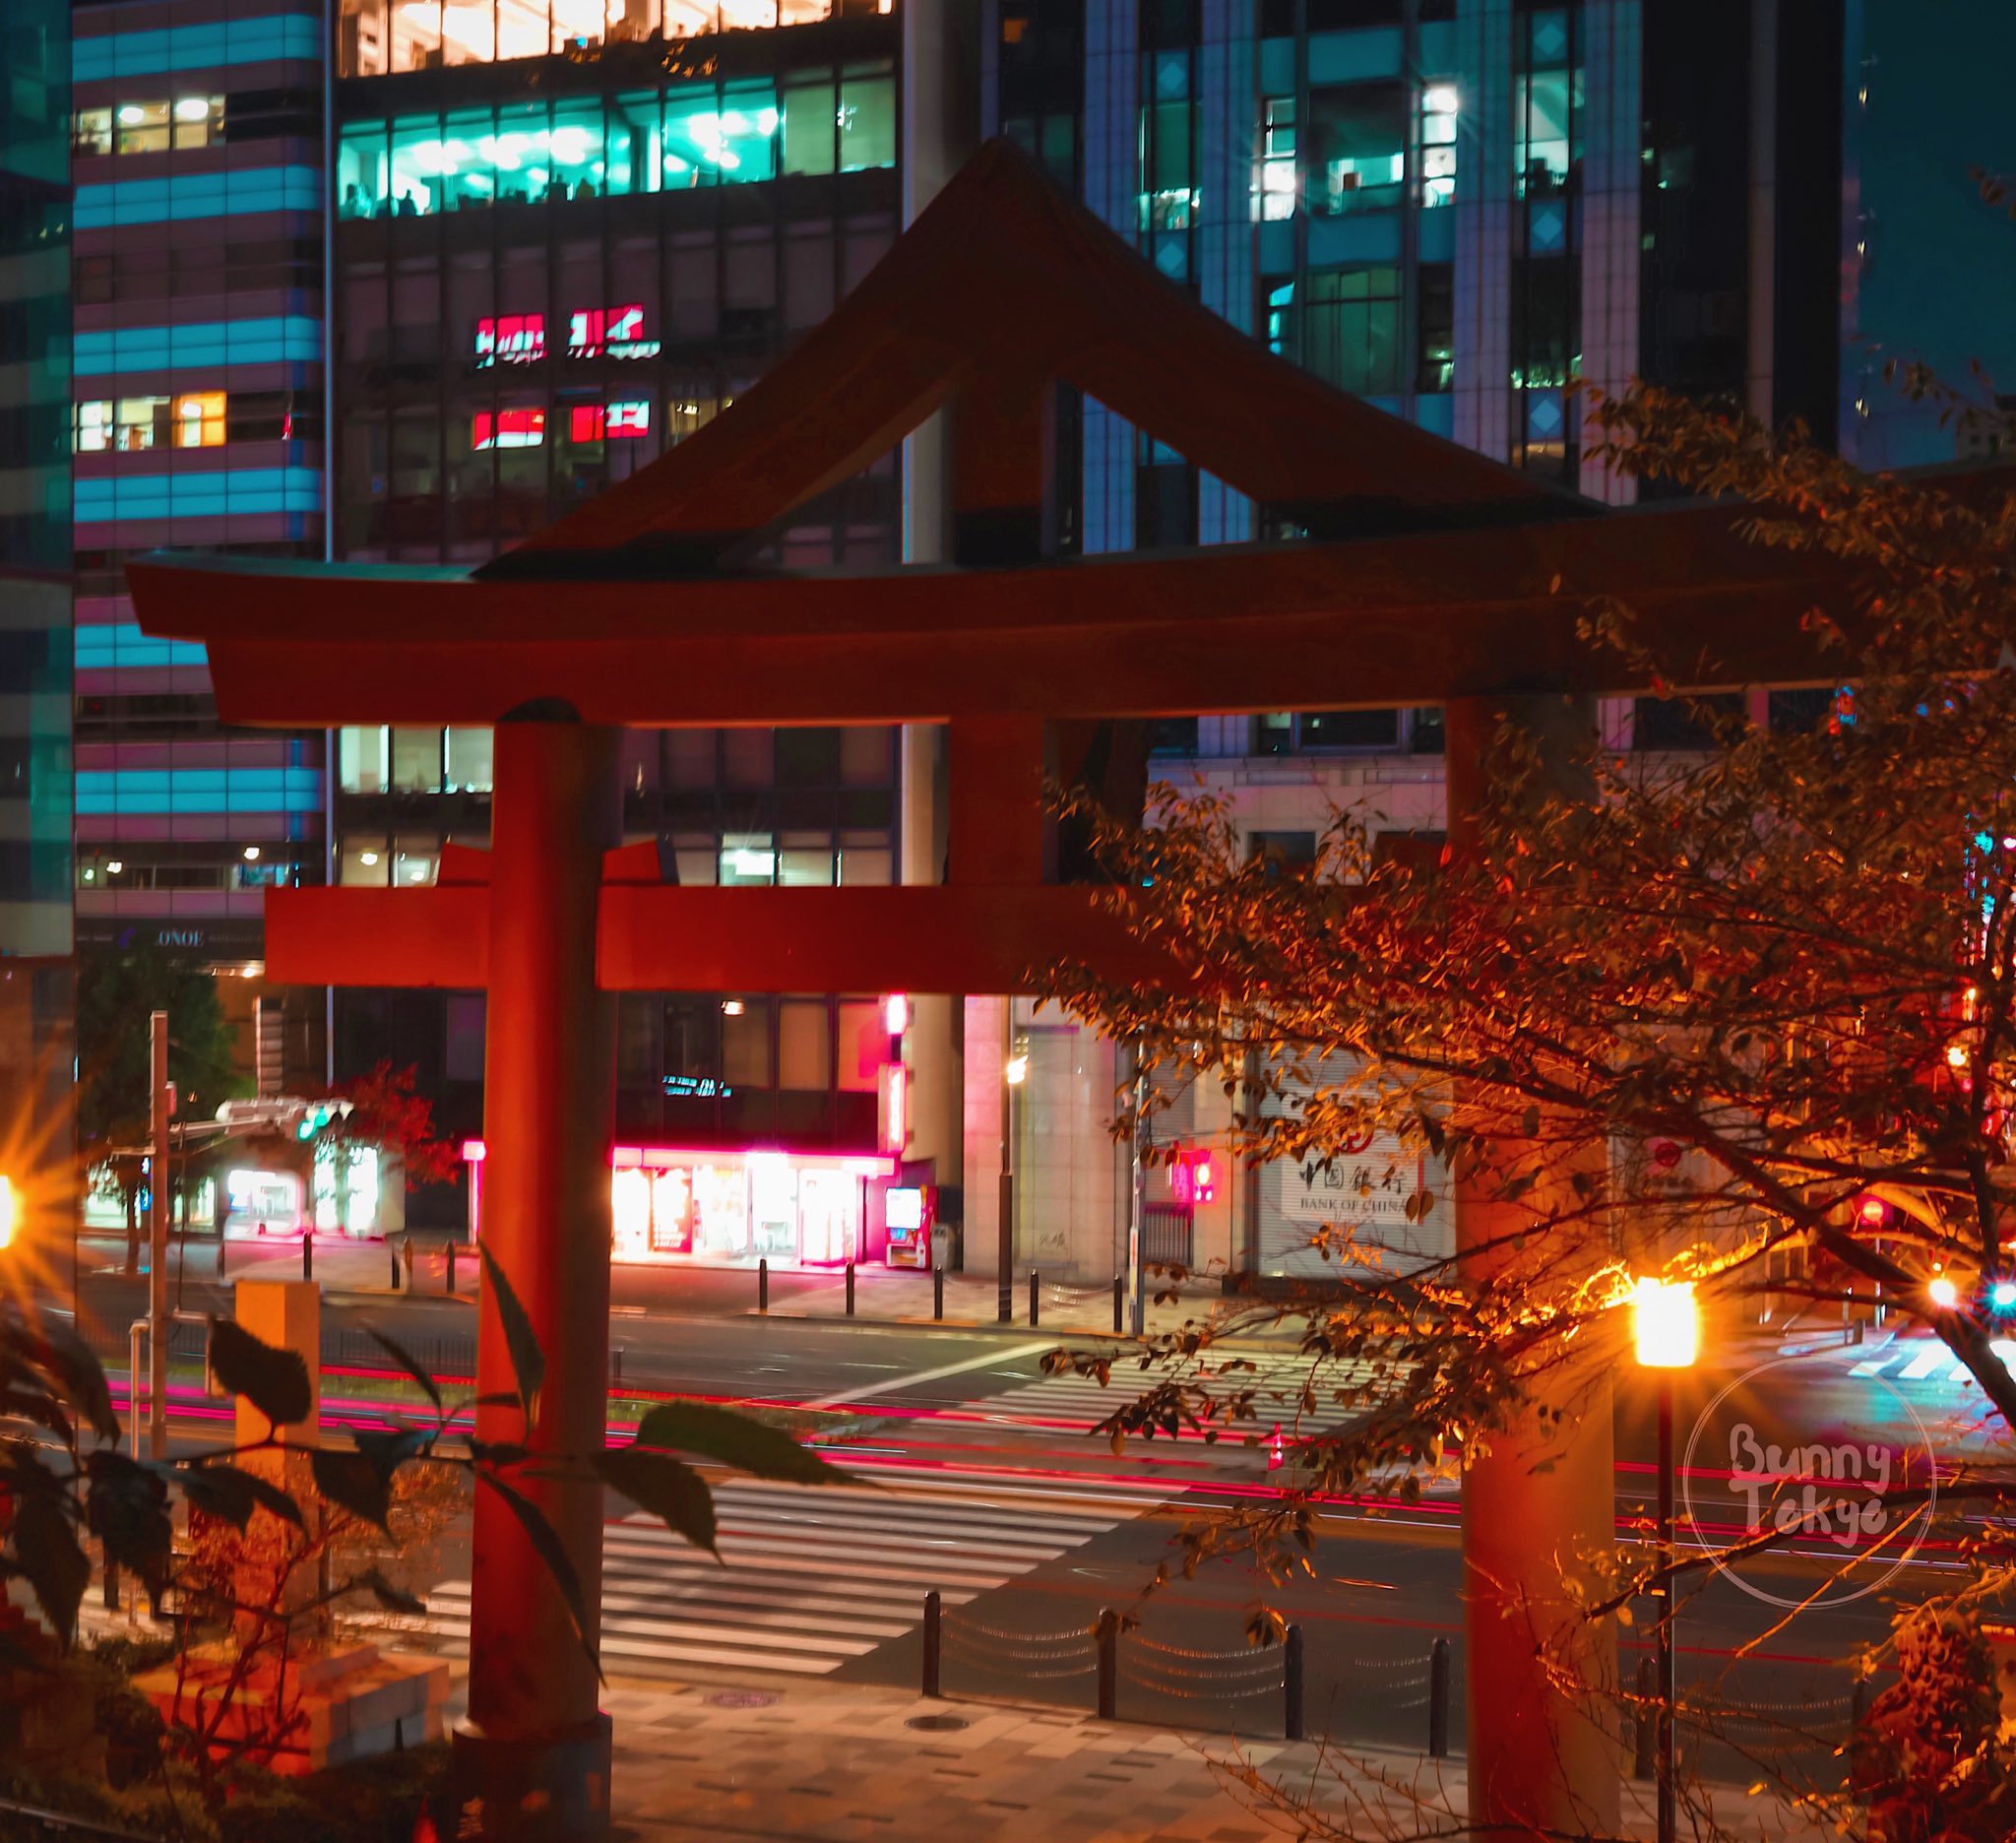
{"x": 1543, "y": 1760}
{"x": 535, "y": 1746}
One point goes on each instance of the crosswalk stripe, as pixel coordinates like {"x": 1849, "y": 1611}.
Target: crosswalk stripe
{"x": 812, "y": 1576}
{"x": 1924, "y": 1365}
{"x": 1278, "y": 1382}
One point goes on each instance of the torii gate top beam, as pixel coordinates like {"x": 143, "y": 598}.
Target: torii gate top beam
{"x": 1403, "y": 620}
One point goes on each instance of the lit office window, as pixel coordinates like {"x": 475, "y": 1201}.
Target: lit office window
{"x": 92, "y": 132}
{"x": 1279, "y": 179}
{"x": 94, "y": 427}
{"x": 1438, "y": 144}
{"x": 1357, "y": 147}
{"x": 140, "y": 128}
{"x": 199, "y": 120}
{"x": 1546, "y": 104}
{"x": 140, "y": 423}
{"x": 508, "y": 428}
{"x": 199, "y": 420}
{"x": 377, "y": 36}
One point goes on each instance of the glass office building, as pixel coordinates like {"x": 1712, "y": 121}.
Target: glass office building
{"x": 35, "y": 920}
{"x": 195, "y": 137}
{"x": 564, "y": 239}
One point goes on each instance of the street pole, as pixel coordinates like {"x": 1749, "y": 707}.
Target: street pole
{"x": 1137, "y": 1192}
{"x": 158, "y": 1240}
{"x": 1004, "y": 1265}
{"x": 1668, "y": 1683}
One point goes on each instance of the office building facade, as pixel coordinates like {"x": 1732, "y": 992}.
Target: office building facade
{"x": 36, "y": 982}
{"x": 564, "y": 239}
{"x": 196, "y": 423}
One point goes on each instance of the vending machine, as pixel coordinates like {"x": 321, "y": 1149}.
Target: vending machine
{"x": 909, "y": 1209}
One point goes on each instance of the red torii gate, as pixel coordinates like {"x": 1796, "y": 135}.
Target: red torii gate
{"x": 1433, "y": 575}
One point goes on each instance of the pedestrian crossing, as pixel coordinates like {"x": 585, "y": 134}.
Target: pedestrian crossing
{"x": 1925, "y": 1359}
{"x": 813, "y": 1575}
{"x": 1077, "y": 1403}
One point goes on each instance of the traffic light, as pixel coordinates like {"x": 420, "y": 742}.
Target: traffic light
{"x": 317, "y": 1115}
{"x": 1193, "y": 1176}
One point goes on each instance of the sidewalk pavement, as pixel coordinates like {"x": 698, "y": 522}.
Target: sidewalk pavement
{"x": 362, "y": 1271}
{"x": 835, "y": 1764}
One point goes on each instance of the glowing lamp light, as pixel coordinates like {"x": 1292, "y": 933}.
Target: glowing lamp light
{"x": 1943, "y": 1293}
{"x": 896, "y": 1014}
{"x": 10, "y": 1211}
{"x": 2002, "y": 1296}
{"x": 1016, "y": 1068}
{"x": 1665, "y": 1323}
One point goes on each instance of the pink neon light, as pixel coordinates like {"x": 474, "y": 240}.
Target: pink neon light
{"x": 861, "y": 1164}
{"x": 652, "y": 1157}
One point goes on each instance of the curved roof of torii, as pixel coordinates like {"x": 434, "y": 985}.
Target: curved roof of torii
{"x": 1462, "y": 576}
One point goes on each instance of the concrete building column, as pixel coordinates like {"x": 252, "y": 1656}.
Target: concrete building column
{"x": 535, "y": 1747}
{"x": 941, "y": 130}
{"x": 1542, "y": 1759}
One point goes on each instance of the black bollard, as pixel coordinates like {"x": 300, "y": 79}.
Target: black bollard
{"x": 1645, "y": 1754}
{"x": 616, "y": 1364}
{"x": 934, "y": 1641}
{"x": 1439, "y": 1700}
{"x": 849, "y": 1289}
{"x": 111, "y": 1585}
{"x": 220, "y": 1253}
{"x": 1291, "y": 1683}
{"x": 308, "y": 1254}
{"x": 1033, "y": 1314}
{"x": 391, "y": 1248}
{"x": 937, "y": 1292}
{"x": 1109, "y": 1664}
{"x": 448, "y": 1270}
{"x": 1119, "y": 1304}
{"x": 763, "y": 1286}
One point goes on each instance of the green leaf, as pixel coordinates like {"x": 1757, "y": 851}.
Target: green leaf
{"x": 405, "y": 1360}
{"x": 668, "y": 1488}
{"x": 220, "y": 1491}
{"x": 392, "y": 1448}
{"x": 548, "y": 1546}
{"x": 528, "y": 1360}
{"x": 352, "y": 1481}
{"x": 126, "y": 1507}
{"x": 46, "y": 1552}
{"x": 230, "y": 1492}
{"x": 734, "y": 1440}
{"x": 82, "y": 1377}
{"x": 273, "y": 1380}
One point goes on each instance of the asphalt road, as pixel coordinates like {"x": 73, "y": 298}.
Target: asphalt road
{"x": 1024, "y": 1504}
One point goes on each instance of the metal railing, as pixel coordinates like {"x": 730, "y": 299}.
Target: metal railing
{"x": 138, "y": 1338}
{"x": 1109, "y": 1653}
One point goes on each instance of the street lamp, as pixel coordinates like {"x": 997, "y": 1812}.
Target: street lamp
{"x": 1666, "y": 1334}
{"x": 1014, "y": 1072}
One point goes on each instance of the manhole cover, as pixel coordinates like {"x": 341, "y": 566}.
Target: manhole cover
{"x": 743, "y": 1699}
{"x": 937, "y": 1723}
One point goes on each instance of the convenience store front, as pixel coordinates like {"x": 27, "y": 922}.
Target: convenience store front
{"x": 727, "y": 1208}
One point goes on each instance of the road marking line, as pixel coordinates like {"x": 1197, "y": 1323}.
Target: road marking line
{"x": 1925, "y": 1365}
{"x": 847, "y": 1396}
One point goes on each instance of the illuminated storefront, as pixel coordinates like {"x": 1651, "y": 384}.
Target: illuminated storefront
{"x": 723, "y": 1207}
